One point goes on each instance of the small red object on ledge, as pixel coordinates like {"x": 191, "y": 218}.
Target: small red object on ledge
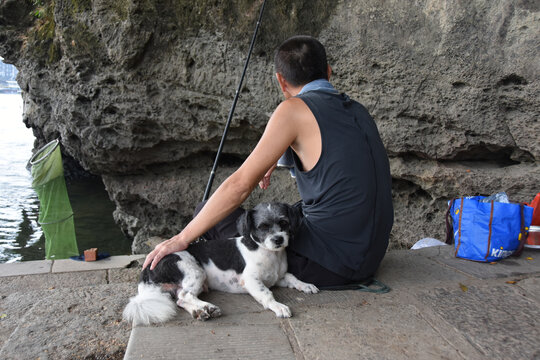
{"x": 90, "y": 254}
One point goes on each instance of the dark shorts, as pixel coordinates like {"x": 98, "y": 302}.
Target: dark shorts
{"x": 303, "y": 268}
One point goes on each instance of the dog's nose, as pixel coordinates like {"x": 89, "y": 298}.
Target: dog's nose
{"x": 278, "y": 240}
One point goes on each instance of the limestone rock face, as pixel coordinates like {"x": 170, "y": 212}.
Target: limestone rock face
{"x": 138, "y": 91}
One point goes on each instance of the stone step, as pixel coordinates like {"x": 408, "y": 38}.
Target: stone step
{"x": 65, "y": 265}
{"x": 433, "y": 311}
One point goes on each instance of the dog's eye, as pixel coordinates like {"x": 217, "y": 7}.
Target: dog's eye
{"x": 264, "y": 226}
{"x": 283, "y": 224}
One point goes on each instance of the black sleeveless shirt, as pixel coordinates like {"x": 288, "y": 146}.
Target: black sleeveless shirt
{"x": 347, "y": 200}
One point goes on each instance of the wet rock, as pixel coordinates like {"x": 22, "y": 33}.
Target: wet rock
{"x": 138, "y": 93}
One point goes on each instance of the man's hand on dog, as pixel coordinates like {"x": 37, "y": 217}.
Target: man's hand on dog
{"x": 167, "y": 247}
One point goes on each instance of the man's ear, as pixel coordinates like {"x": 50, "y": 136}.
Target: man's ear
{"x": 328, "y": 72}
{"x": 244, "y": 223}
{"x": 284, "y": 85}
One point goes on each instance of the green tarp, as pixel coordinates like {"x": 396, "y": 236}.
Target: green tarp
{"x": 55, "y": 213}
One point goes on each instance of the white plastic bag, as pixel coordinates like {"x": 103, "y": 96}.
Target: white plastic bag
{"x": 427, "y": 242}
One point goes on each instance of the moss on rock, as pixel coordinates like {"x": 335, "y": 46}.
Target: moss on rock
{"x": 42, "y": 35}
{"x": 78, "y": 6}
{"x": 121, "y": 8}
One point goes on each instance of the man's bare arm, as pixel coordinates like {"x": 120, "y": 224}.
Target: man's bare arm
{"x": 281, "y": 131}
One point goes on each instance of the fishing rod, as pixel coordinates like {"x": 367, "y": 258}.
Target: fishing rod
{"x": 231, "y": 112}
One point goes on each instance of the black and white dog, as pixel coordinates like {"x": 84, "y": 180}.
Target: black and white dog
{"x": 251, "y": 263}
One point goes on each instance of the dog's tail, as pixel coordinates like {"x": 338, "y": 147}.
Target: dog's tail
{"x": 150, "y": 305}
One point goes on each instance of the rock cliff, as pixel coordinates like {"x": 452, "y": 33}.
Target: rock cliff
{"x": 138, "y": 92}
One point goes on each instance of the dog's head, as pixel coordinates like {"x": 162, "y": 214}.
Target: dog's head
{"x": 269, "y": 225}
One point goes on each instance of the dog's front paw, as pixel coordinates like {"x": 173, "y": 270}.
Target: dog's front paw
{"x": 307, "y": 288}
{"x": 281, "y": 310}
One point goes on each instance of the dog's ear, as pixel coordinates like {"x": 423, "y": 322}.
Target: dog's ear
{"x": 244, "y": 223}
{"x": 244, "y": 226}
{"x": 295, "y": 216}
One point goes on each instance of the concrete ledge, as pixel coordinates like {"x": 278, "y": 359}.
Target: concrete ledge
{"x": 49, "y": 281}
{"x": 26, "y": 268}
{"x": 378, "y": 330}
{"x": 498, "y": 320}
{"x": 65, "y": 265}
{"x": 68, "y": 265}
{"x": 209, "y": 341}
{"x": 526, "y": 264}
{"x": 440, "y": 307}
{"x": 404, "y": 269}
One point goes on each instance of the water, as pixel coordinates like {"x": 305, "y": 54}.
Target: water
{"x": 21, "y": 238}
{"x": 18, "y": 202}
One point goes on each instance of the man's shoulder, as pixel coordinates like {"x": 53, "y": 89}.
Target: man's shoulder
{"x": 293, "y": 108}
{"x": 293, "y": 102}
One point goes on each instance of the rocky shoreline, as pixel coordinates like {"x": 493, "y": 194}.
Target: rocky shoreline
{"x": 138, "y": 93}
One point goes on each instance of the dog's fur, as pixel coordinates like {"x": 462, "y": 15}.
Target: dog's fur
{"x": 251, "y": 263}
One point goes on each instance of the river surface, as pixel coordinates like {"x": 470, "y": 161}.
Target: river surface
{"x": 21, "y": 237}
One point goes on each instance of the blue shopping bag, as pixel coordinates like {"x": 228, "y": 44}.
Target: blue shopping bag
{"x": 487, "y": 231}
